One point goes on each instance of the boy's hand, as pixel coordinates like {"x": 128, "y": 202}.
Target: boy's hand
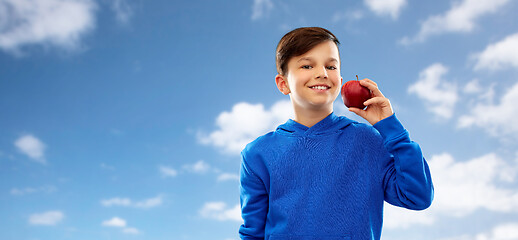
{"x": 378, "y": 106}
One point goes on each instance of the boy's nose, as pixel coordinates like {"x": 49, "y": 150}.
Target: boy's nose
{"x": 322, "y": 73}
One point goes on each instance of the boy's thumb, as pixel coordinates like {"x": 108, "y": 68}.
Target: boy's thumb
{"x": 355, "y": 110}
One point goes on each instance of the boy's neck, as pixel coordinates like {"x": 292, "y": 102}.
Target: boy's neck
{"x": 309, "y": 117}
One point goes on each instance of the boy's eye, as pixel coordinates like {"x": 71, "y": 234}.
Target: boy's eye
{"x": 331, "y": 68}
{"x": 306, "y": 67}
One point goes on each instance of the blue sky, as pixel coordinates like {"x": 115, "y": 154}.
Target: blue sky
{"x": 124, "y": 119}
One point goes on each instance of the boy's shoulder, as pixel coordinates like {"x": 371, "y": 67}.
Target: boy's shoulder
{"x": 260, "y": 142}
{"x": 351, "y": 126}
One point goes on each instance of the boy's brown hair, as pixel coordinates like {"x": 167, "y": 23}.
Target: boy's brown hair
{"x": 298, "y": 42}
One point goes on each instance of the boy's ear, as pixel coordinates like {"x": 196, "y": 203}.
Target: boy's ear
{"x": 282, "y": 84}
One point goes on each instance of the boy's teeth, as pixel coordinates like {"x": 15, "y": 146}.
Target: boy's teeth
{"x": 319, "y": 87}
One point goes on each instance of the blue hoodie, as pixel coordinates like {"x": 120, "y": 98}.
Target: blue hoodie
{"x": 328, "y": 182}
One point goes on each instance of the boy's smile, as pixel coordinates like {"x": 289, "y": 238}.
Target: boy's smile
{"x": 320, "y": 87}
{"x": 313, "y": 79}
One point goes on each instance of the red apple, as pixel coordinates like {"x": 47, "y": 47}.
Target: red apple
{"x": 354, "y": 94}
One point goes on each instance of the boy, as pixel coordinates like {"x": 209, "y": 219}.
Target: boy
{"x": 322, "y": 176}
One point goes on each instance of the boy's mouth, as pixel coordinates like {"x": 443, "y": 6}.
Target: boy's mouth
{"x": 320, "y": 87}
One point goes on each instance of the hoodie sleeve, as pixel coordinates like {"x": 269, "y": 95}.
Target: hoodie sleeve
{"x": 254, "y": 203}
{"x": 407, "y": 180}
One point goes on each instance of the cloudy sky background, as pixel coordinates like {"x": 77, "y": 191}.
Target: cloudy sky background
{"x": 124, "y": 119}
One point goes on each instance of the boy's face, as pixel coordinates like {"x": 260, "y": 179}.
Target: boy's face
{"x": 313, "y": 79}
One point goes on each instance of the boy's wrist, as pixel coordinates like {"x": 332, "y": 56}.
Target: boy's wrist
{"x": 389, "y": 127}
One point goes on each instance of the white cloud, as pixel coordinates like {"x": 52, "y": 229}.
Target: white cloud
{"x": 114, "y": 222}
{"x": 123, "y": 10}
{"x": 499, "y": 55}
{"x": 29, "y": 190}
{"x": 396, "y": 217}
{"x": 439, "y": 95}
{"x": 461, "y": 188}
{"x": 130, "y": 230}
{"x": 60, "y": 23}
{"x": 506, "y": 231}
{"x": 220, "y": 212}
{"x": 473, "y": 87}
{"x": 261, "y": 8}
{"x": 198, "y": 167}
{"x": 120, "y": 223}
{"x": 149, "y": 203}
{"x": 126, "y": 202}
{"x": 461, "y": 17}
{"x": 167, "y": 171}
{"x": 47, "y": 218}
{"x": 245, "y": 123}
{"x": 484, "y": 94}
{"x": 391, "y": 8}
{"x": 116, "y": 202}
{"x": 227, "y": 177}
{"x": 496, "y": 119}
{"x": 201, "y": 167}
{"x": 32, "y": 147}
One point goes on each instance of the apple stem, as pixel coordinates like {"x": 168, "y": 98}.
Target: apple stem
{"x": 357, "y": 78}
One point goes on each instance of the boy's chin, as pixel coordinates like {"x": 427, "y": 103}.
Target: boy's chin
{"x": 320, "y": 106}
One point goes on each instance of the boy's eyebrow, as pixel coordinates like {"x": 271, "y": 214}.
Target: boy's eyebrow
{"x": 311, "y": 59}
{"x": 305, "y": 58}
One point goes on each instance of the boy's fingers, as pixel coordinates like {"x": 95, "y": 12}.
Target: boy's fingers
{"x": 371, "y": 85}
{"x": 374, "y": 100}
{"x": 370, "y": 81}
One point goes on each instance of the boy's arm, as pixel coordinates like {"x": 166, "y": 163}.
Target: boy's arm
{"x": 254, "y": 203}
{"x": 407, "y": 179}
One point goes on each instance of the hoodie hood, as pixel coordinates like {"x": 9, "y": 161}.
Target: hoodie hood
{"x": 331, "y": 124}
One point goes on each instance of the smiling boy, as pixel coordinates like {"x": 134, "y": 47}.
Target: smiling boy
{"x": 323, "y": 176}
